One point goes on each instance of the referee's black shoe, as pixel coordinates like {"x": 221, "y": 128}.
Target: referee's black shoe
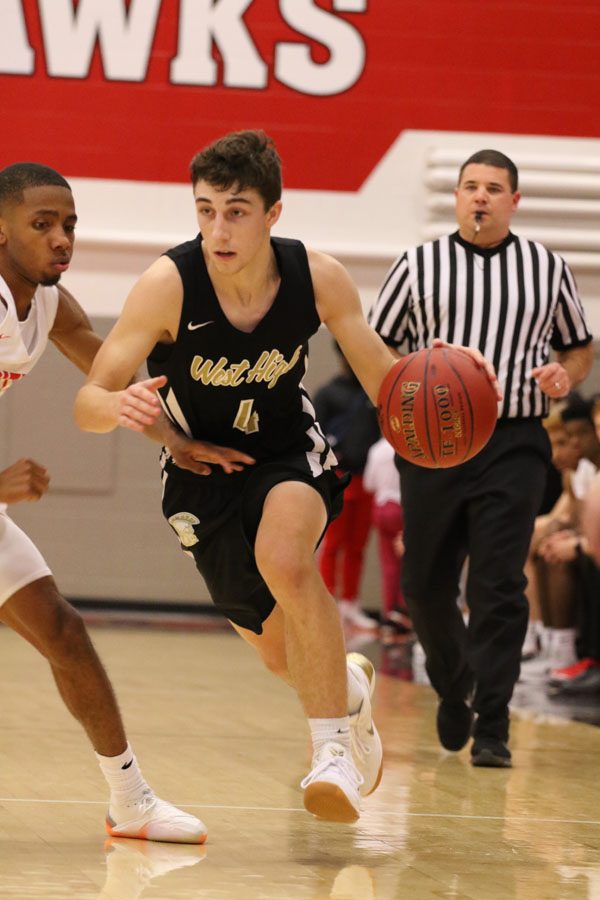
{"x": 490, "y": 752}
{"x": 454, "y": 723}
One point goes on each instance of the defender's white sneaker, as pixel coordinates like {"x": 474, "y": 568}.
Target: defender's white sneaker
{"x": 331, "y": 789}
{"x": 153, "y": 819}
{"x": 364, "y": 737}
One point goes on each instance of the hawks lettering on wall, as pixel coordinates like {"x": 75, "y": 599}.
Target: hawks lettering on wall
{"x": 131, "y": 89}
{"x": 126, "y": 35}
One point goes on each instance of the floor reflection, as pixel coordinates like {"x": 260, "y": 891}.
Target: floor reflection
{"x": 131, "y": 865}
{"x": 223, "y": 739}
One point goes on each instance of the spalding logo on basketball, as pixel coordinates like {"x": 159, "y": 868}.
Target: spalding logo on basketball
{"x": 437, "y": 408}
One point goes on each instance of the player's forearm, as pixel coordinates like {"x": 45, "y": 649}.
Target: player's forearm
{"x": 97, "y": 409}
{"x": 162, "y": 431}
{"x": 370, "y": 365}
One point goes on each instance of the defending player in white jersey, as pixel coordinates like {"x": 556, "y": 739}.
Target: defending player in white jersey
{"x": 37, "y": 234}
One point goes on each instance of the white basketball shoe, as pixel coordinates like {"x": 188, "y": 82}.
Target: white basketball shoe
{"x": 153, "y": 819}
{"x": 332, "y": 788}
{"x": 364, "y": 737}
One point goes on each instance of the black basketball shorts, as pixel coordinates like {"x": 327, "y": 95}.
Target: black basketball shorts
{"x": 216, "y": 520}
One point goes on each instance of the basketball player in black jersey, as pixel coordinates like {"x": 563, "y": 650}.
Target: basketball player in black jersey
{"x": 223, "y": 322}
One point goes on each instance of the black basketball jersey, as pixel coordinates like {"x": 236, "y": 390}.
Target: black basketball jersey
{"x": 237, "y": 389}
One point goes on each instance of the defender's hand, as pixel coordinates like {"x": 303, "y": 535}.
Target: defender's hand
{"x": 194, "y": 455}
{"x": 24, "y": 480}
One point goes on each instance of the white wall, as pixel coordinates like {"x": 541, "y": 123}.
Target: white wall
{"x": 123, "y": 226}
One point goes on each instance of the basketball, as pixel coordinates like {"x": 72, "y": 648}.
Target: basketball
{"x": 437, "y": 408}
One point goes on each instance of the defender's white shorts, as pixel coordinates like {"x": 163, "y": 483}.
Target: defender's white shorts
{"x": 20, "y": 560}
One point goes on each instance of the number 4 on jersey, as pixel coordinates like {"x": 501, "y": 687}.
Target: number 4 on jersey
{"x": 246, "y": 420}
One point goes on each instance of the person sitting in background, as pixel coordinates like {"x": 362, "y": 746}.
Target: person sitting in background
{"x": 349, "y": 421}
{"x": 552, "y": 600}
{"x": 591, "y": 506}
{"x": 568, "y": 547}
{"x": 583, "y": 679}
{"x": 381, "y": 479}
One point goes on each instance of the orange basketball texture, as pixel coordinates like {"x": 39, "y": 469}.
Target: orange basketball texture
{"x": 437, "y": 408}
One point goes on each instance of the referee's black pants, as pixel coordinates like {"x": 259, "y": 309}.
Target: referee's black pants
{"x": 483, "y": 511}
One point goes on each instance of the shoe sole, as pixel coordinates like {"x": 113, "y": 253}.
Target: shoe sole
{"x": 328, "y": 801}
{"x": 369, "y": 669}
{"x": 142, "y": 835}
{"x": 489, "y": 760}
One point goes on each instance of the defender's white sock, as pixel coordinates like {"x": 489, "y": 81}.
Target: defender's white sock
{"x": 124, "y": 778}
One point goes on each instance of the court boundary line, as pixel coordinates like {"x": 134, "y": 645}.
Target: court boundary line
{"x": 383, "y": 813}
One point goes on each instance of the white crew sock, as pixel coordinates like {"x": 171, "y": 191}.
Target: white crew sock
{"x": 530, "y": 644}
{"x": 545, "y": 635}
{"x": 325, "y": 730}
{"x": 562, "y": 650}
{"x": 124, "y": 778}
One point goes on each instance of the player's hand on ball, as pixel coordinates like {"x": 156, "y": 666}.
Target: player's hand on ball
{"x": 478, "y": 358}
{"x": 194, "y": 456}
{"x": 24, "y": 480}
{"x": 139, "y": 406}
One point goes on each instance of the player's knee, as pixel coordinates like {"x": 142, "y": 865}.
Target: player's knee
{"x": 285, "y": 572}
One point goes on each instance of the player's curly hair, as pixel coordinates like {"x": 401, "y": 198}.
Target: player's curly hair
{"x": 243, "y": 159}
{"x": 14, "y": 179}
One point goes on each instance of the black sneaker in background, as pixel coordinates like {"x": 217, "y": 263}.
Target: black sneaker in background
{"x": 454, "y": 724}
{"x": 491, "y": 753}
{"x": 587, "y": 683}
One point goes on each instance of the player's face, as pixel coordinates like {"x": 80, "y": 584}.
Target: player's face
{"x": 37, "y": 236}
{"x": 234, "y": 224}
{"x": 582, "y": 437}
{"x": 485, "y": 190}
{"x": 564, "y": 454}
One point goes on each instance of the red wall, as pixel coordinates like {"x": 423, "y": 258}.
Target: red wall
{"x": 523, "y": 67}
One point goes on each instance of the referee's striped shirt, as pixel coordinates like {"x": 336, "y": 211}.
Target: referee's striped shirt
{"x": 512, "y": 302}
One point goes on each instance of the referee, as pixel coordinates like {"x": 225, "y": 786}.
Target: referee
{"x": 485, "y": 288}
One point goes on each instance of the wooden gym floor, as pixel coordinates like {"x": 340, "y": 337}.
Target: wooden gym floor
{"x": 220, "y": 737}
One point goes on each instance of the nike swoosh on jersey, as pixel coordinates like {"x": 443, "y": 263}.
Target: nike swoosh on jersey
{"x": 192, "y": 326}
